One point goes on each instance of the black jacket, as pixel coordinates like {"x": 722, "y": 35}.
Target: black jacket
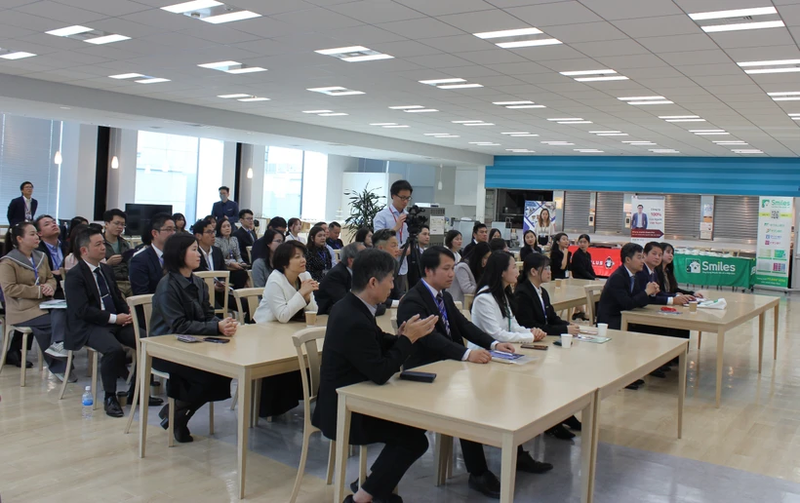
{"x": 180, "y": 306}
{"x": 216, "y": 256}
{"x": 438, "y": 345}
{"x": 355, "y": 350}
{"x": 245, "y": 239}
{"x": 145, "y": 272}
{"x": 83, "y": 309}
{"x": 617, "y": 297}
{"x": 527, "y": 250}
{"x": 16, "y": 210}
{"x": 581, "y": 265}
{"x": 556, "y": 256}
{"x": 333, "y": 288}
{"x": 59, "y": 280}
{"x": 468, "y": 248}
{"x": 529, "y": 310}
{"x": 643, "y": 277}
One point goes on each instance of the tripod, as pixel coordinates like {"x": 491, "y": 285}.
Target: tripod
{"x": 415, "y": 272}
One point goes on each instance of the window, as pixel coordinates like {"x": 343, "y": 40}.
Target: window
{"x": 315, "y": 185}
{"x": 283, "y": 182}
{"x": 27, "y": 149}
{"x": 167, "y": 169}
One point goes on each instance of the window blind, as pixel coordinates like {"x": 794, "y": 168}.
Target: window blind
{"x": 736, "y": 218}
{"x": 576, "y": 212}
{"x": 682, "y": 216}
{"x": 609, "y": 218}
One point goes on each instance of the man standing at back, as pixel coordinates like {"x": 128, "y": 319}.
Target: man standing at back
{"x": 393, "y": 217}
{"x": 147, "y": 266}
{"x": 24, "y": 207}
{"x": 246, "y": 233}
{"x": 117, "y": 247}
{"x": 225, "y": 208}
{"x": 430, "y": 297}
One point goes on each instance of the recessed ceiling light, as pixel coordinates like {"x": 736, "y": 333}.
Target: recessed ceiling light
{"x": 332, "y": 114}
{"x": 529, "y": 43}
{"x": 788, "y": 93}
{"x": 436, "y": 82}
{"x": 69, "y": 30}
{"x": 787, "y": 98}
{"x": 516, "y": 132}
{"x": 228, "y": 96}
{"x": 483, "y": 143}
{"x": 126, "y": 76}
{"x": 558, "y": 143}
{"x": 724, "y": 14}
{"x": 663, "y": 151}
{"x": 232, "y": 67}
{"x": 12, "y": 55}
{"x": 588, "y": 150}
{"x": 685, "y": 120}
{"x": 520, "y": 150}
{"x": 575, "y": 122}
{"x": 773, "y": 62}
{"x": 396, "y": 126}
{"x": 354, "y": 54}
{"x": 737, "y": 14}
{"x": 515, "y": 107}
{"x": 317, "y": 111}
{"x": 219, "y": 64}
{"x": 252, "y": 98}
{"x": 506, "y": 103}
{"x": 480, "y": 124}
{"x": 604, "y": 132}
{"x": 678, "y": 116}
{"x": 657, "y": 102}
{"x": 731, "y": 142}
{"x": 746, "y": 151}
{"x": 430, "y": 134}
{"x": 421, "y": 110}
{"x": 743, "y": 26}
{"x": 246, "y": 69}
{"x": 587, "y": 72}
{"x": 641, "y": 98}
{"x": 107, "y": 39}
{"x": 520, "y": 37}
{"x": 508, "y": 33}
{"x": 601, "y": 79}
{"x": 406, "y": 107}
{"x": 230, "y": 17}
{"x": 639, "y": 143}
{"x": 190, "y": 6}
{"x": 706, "y": 130}
{"x": 712, "y": 134}
{"x": 612, "y": 134}
{"x": 557, "y": 119}
{"x": 464, "y": 122}
{"x": 152, "y": 80}
{"x": 335, "y": 91}
{"x": 374, "y": 123}
{"x": 459, "y": 86}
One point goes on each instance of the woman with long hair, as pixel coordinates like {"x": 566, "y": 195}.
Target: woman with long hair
{"x": 545, "y": 228}
{"x": 263, "y": 265}
{"x": 469, "y": 271}
{"x": 581, "y": 263}
{"x": 231, "y": 253}
{"x": 318, "y": 257}
{"x": 180, "y": 223}
{"x": 364, "y": 235}
{"x": 666, "y": 272}
{"x": 560, "y": 256}
{"x": 453, "y": 241}
{"x": 495, "y": 233}
{"x": 530, "y": 245}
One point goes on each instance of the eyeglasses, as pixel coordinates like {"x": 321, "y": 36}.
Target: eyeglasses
{"x": 209, "y": 231}
{"x": 405, "y": 198}
{"x": 248, "y": 219}
{"x": 166, "y": 229}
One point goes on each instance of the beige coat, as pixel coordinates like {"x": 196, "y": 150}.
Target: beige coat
{"x": 22, "y": 291}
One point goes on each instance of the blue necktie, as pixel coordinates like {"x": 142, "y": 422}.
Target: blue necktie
{"x": 633, "y": 281}
{"x": 443, "y": 312}
{"x": 105, "y": 296}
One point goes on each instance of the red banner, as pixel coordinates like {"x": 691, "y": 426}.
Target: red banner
{"x": 604, "y": 260}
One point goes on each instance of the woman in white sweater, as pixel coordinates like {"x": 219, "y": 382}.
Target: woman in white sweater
{"x": 287, "y": 297}
{"x": 491, "y": 309}
{"x": 468, "y": 272}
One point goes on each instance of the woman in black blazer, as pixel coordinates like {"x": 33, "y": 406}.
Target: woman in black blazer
{"x": 581, "y": 264}
{"x": 529, "y": 244}
{"x": 318, "y": 257}
{"x": 560, "y": 256}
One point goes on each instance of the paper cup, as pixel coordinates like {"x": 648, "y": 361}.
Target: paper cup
{"x": 693, "y": 306}
{"x": 311, "y": 319}
{"x": 566, "y": 340}
{"x": 559, "y": 282}
{"x": 602, "y": 329}
{"x": 305, "y": 275}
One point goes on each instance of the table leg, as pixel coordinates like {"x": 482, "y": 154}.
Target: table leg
{"x": 681, "y": 387}
{"x": 761, "y": 319}
{"x": 342, "y": 443}
{"x": 624, "y": 324}
{"x": 775, "y": 333}
{"x": 590, "y": 431}
{"x": 720, "y": 348}
{"x": 508, "y": 469}
{"x": 438, "y": 459}
{"x": 256, "y": 402}
{"x": 245, "y": 391}
{"x": 145, "y": 362}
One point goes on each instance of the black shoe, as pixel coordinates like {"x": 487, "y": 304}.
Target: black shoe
{"x": 579, "y": 316}
{"x": 164, "y": 415}
{"x": 354, "y": 486}
{"x": 665, "y": 368}
{"x": 15, "y": 358}
{"x": 572, "y": 423}
{"x": 658, "y": 373}
{"x": 112, "y": 407}
{"x": 151, "y": 401}
{"x": 525, "y": 463}
{"x": 632, "y": 386}
{"x": 486, "y": 484}
{"x": 153, "y": 381}
{"x": 639, "y": 382}
{"x": 560, "y": 433}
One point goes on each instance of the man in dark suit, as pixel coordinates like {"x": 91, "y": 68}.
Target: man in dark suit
{"x": 649, "y": 274}
{"x": 211, "y": 259}
{"x": 146, "y": 268}
{"x": 24, "y": 207}
{"x": 225, "y": 208}
{"x": 357, "y": 350}
{"x": 97, "y": 316}
{"x": 479, "y": 233}
{"x": 337, "y": 282}
{"x": 246, "y": 233}
{"x": 446, "y": 342}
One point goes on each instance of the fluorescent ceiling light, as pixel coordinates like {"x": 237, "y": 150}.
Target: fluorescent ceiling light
{"x": 516, "y": 132}
{"x": 420, "y": 110}
{"x": 317, "y": 111}
{"x": 396, "y": 126}
{"x": 724, "y": 14}
{"x": 190, "y": 6}
{"x": 706, "y": 130}
{"x": 332, "y": 114}
{"x": 369, "y": 57}
{"x": 678, "y": 116}
{"x": 685, "y": 120}
{"x": 566, "y": 119}
{"x": 464, "y": 122}
{"x": 335, "y": 91}
{"x": 441, "y": 81}
{"x": 246, "y": 69}
{"x": 530, "y": 135}
{"x": 219, "y": 64}
{"x": 508, "y": 33}
{"x": 558, "y": 143}
{"x": 251, "y": 99}
{"x": 516, "y": 107}
{"x": 640, "y": 143}
{"x": 588, "y": 150}
{"x": 406, "y": 107}
{"x": 789, "y": 93}
{"x": 107, "y": 39}
{"x": 480, "y": 124}
{"x": 742, "y": 26}
{"x": 69, "y": 30}
{"x": 773, "y": 70}
{"x": 601, "y": 79}
{"x": 429, "y": 134}
{"x": 575, "y": 122}
{"x": 641, "y": 98}
{"x": 17, "y": 55}
{"x": 230, "y": 17}
{"x": 520, "y": 150}
{"x": 528, "y": 43}
{"x": 126, "y": 76}
{"x": 664, "y": 102}
{"x": 342, "y": 50}
{"x": 459, "y": 86}
{"x": 354, "y": 54}
{"x": 712, "y": 134}
{"x": 746, "y": 151}
{"x": 151, "y": 81}
{"x": 612, "y": 134}
{"x": 378, "y": 123}
{"x": 788, "y": 98}
{"x": 663, "y": 151}
{"x": 773, "y": 62}
{"x": 506, "y": 103}
{"x": 229, "y": 96}
{"x": 483, "y": 143}
{"x": 794, "y": 115}
{"x": 722, "y": 143}
{"x": 587, "y": 72}
{"x": 604, "y": 132}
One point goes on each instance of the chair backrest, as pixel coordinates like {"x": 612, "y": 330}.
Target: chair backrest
{"x": 459, "y": 305}
{"x": 393, "y": 320}
{"x": 249, "y": 254}
{"x": 468, "y": 298}
{"x": 592, "y": 292}
{"x": 308, "y": 357}
{"x": 146, "y": 303}
{"x": 250, "y": 277}
{"x": 209, "y": 277}
{"x": 253, "y": 298}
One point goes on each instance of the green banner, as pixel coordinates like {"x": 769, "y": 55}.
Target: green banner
{"x": 709, "y": 270}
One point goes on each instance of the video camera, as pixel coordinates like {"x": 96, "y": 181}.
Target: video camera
{"x": 415, "y": 221}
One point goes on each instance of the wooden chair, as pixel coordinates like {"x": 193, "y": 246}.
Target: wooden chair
{"x": 209, "y": 277}
{"x": 459, "y": 305}
{"x": 592, "y": 290}
{"x": 146, "y": 303}
{"x": 249, "y": 254}
{"x": 8, "y": 335}
{"x": 305, "y": 342}
{"x": 94, "y": 360}
{"x": 468, "y": 299}
{"x": 252, "y": 296}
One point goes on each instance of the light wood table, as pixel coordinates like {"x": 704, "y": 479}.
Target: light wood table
{"x": 570, "y": 294}
{"x": 256, "y": 351}
{"x": 741, "y": 308}
{"x": 482, "y": 403}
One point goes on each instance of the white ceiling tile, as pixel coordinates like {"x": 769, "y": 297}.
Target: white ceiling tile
{"x": 406, "y": 48}
{"x": 365, "y": 35}
{"x": 376, "y": 11}
{"x": 790, "y": 14}
{"x": 554, "y": 14}
{"x": 491, "y": 20}
{"x": 610, "y": 48}
{"x": 674, "y": 43}
{"x": 631, "y": 9}
{"x": 439, "y": 61}
{"x": 659, "y": 26}
{"x": 496, "y": 56}
{"x": 753, "y": 38}
{"x": 316, "y": 19}
{"x": 625, "y": 62}
{"x": 461, "y": 43}
{"x": 548, "y": 53}
{"x": 696, "y": 57}
{"x": 586, "y": 32}
{"x": 416, "y": 29}
{"x": 60, "y": 15}
{"x": 107, "y": 7}
{"x": 444, "y": 7}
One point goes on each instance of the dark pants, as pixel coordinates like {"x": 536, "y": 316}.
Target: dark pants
{"x": 404, "y": 445}
{"x": 474, "y": 457}
{"x": 47, "y": 329}
{"x": 192, "y": 385}
{"x": 108, "y": 341}
{"x": 280, "y": 394}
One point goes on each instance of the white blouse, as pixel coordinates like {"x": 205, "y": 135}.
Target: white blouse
{"x": 487, "y": 316}
{"x": 281, "y": 300}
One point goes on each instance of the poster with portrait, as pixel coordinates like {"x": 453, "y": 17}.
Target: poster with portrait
{"x": 532, "y": 211}
{"x": 647, "y": 219}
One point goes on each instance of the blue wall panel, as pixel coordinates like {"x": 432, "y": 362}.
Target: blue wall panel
{"x": 670, "y": 175}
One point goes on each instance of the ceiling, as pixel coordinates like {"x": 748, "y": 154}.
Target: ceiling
{"x": 654, "y": 43}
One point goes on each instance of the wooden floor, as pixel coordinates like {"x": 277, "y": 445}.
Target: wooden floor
{"x": 50, "y": 453}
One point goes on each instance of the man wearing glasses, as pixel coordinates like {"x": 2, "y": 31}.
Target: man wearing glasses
{"x": 147, "y": 267}
{"x": 117, "y": 247}
{"x": 393, "y": 217}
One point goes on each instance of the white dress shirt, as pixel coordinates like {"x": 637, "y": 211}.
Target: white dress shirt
{"x": 281, "y": 300}
{"x": 209, "y": 257}
{"x": 487, "y": 315}
{"x": 112, "y": 318}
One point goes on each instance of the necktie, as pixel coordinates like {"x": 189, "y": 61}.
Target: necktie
{"x": 633, "y": 280}
{"x": 105, "y": 296}
{"x": 544, "y": 309}
{"x": 443, "y": 312}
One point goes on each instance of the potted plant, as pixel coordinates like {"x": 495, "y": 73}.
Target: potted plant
{"x": 364, "y": 206}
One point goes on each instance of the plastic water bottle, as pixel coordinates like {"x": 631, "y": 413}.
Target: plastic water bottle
{"x": 88, "y": 403}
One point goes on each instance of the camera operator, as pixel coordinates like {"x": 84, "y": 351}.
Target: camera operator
{"x": 393, "y": 216}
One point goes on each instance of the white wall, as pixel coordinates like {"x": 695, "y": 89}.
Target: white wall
{"x": 338, "y": 165}
{"x": 122, "y": 181}
{"x": 79, "y": 153}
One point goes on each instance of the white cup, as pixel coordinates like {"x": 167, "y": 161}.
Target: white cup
{"x": 566, "y": 340}
{"x": 305, "y": 275}
{"x": 602, "y": 329}
{"x": 693, "y": 307}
